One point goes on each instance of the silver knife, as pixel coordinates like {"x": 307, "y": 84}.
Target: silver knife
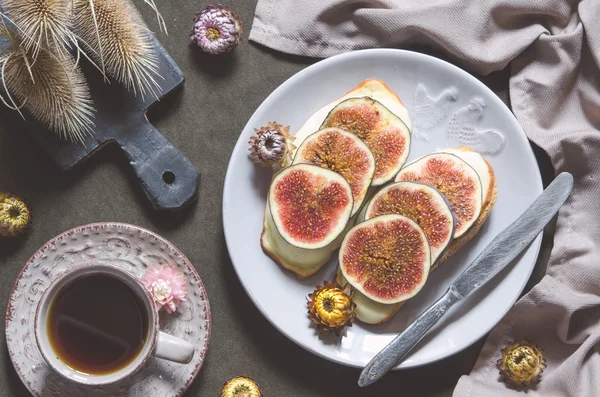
{"x": 496, "y": 256}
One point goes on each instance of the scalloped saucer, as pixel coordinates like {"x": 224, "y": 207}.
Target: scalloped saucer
{"x": 134, "y": 249}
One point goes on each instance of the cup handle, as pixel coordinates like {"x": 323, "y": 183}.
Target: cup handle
{"x": 173, "y": 349}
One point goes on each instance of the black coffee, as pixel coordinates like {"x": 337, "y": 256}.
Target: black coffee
{"x": 97, "y": 325}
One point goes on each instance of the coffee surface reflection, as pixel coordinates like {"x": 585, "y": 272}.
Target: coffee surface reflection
{"x": 97, "y": 325}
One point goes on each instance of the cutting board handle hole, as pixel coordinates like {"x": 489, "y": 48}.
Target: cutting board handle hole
{"x": 168, "y": 177}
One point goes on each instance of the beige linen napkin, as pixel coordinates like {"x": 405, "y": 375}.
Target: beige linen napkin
{"x": 553, "y": 47}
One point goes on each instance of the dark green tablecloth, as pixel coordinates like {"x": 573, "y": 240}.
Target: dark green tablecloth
{"x": 204, "y": 120}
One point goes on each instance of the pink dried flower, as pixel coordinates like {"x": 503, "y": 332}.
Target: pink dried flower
{"x": 166, "y": 286}
{"x": 217, "y": 29}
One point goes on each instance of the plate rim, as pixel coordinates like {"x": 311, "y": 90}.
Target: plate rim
{"x": 536, "y": 243}
{"x": 124, "y": 225}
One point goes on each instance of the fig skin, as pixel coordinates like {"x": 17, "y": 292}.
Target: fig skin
{"x": 304, "y": 259}
{"x": 387, "y": 258}
{"x": 367, "y": 310}
{"x": 310, "y": 205}
{"x": 372, "y": 88}
{"x": 427, "y": 169}
{"x": 386, "y": 135}
{"x": 488, "y": 204}
{"x": 342, "y": 152}
{"x": 408, "y": 198}
{"x": 371, "y": 312}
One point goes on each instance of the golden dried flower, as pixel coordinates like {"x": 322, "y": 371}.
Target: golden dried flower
{"x": 15, "y": 215}
{"x": 240, "y": 386}
{"x": 331, "y": 308}
{"x": 272, "y": 145}
{"x": 522, "y": 364}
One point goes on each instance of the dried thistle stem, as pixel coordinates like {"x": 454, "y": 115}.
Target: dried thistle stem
{"x": 119, "y": 41}
{"x": 43, "y": 23}
{"x": 50, "y": 87}
{"x": 161, "y": 21}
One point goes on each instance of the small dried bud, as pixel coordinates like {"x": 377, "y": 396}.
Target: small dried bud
{"x": 217, "y": 30}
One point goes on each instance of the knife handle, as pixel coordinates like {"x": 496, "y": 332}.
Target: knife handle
{"x": 402, "y": 344}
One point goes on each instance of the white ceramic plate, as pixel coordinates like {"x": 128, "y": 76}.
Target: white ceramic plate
{"x": 448, "y": 108}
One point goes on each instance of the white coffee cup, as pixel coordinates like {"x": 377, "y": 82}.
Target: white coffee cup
{"x": 157, "y": 344}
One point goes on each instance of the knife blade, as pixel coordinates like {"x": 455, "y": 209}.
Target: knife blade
{"x": 503, "y": 249}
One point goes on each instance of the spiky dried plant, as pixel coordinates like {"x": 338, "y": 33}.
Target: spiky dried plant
{"x": 50, "y": 87}
{"x": 42, "y": 23}
{"x": 119, "y": 42}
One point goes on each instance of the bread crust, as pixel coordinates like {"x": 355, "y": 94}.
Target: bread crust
{"x": 457, "y": 244}
{"x": 486, "y": 208}
{"x": 277, "y": 259}
{"x": 270, "y": 251}
{"x": 392, "y": 314}
{"x": 370, "y": 81}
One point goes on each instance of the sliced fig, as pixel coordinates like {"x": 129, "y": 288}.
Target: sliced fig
{"x": 489, "y": 193}
{"x": 384, "y": 133}
{"x": 367, "y": 310}
{"x": 386, "y": 258}
{"x": 375, "y": 89}
{"x": 423, "y": 204}
{"x": 303, "y": 262}
{"x": 456, "y": 179}
{"x": 482, "y": 167}
{"x": 310, "y": 205}
{"x": 344, "y": 153}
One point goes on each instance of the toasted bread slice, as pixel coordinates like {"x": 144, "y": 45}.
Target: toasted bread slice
{"x": 375, "y": 89}
{"x": 372, "y": 312}
{"x": 303, "y": 262}
{"x": 289, "y": 257}
{"x": 367, "y": 310}
{"x": 271, "y": 242}
{"x": 490, "y": 191}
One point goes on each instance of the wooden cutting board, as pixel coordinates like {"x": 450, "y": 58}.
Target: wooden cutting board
{"x": 166, "y": 176}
